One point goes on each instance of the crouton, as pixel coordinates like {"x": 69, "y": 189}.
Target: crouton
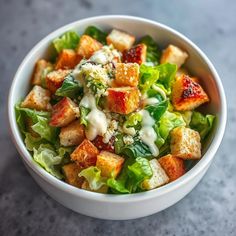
{"x": 71, "y": 172}
{"x": 55, "y": 79}
{"x": 85, "y": 154}
{"x": 87, "y": 46}
{"x": 127, "y": 74}
{"x": 173, "y": 166}
{"x": 39, "y": 70}
{"x": 185, "y": 143}
{"x": 67, "y": 59}
{"x": 38, "y": 99}
{"x": 72, "y": 134}
{"x": 181, "y": 71}
{"x": 187, "y": 95}
{"x": 120, "y": 40}
{"x": 159, "y": 176}
{"x": 123, "y": 100}
{"x": 136, "y": 54}
{"x": 98, "y": 142}
{"x": 86, "y": 186}
{"x": 64, "y": 112}
{"x": 174, "y": 55}
{"x": 109, "y": 163}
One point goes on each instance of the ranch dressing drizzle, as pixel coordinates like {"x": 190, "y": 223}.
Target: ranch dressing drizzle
{"x": 97, "y": 120}
{"x": 159, "y": 90}
{"x": 147, "y": 133}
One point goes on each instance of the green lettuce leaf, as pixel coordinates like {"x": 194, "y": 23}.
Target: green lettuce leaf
{"x": 148, "y": 76}
{"x": 157, "y": 110}
{"x": 202, "y": 124}
{"x": 83, "y": 114}
{"x": 96, "y": 33}
{"x": 153, "y": 50}
{"x": 47, "y": 158}
{"x": 68, "y": 40}
{"x": 70, "y": 88}
{"x": 93, "y": 175}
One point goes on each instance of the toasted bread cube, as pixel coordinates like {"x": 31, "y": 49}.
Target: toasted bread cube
{"x": 120, "y": 40}
{"x": 173, "y": 166}
{"x": 159, "y": 176}
{"x": 87, "y": 46}
{"x": 71, "y": 172}
{"x": 181, "y": 71}
{"x": 109, "y": 163}
{"x": 187, "y": 95}
{"x": 67, "y": 59}
{"x": 86, "y": 186}
{"x": 123, "y": 100}
{"x": 136, "y": 54}
{"x": 64, "y": 112}
{"x": 72, "y": 134}
{"x": 174, "y": 55}
{"x": 38, "y": 99}
{"x": 85, "y": 154}
{"x": 127, "y": 74}
{"x": 55, "y": 79}
{"x": 38, "y": 74}
{"x": 185, "y": 143}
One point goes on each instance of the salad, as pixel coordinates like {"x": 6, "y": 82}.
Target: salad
{"x": 111, "y": 113}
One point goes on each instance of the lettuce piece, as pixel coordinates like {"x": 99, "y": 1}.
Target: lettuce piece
{"x": 117, "y": 186}
{"x": 153, "y": 50}
{"x": 157, "y": 110}
{"x": 40, "y": 120}
{"x": 148, "y": 76}
{"x": 68, "y": 40}
{"x": 46, "y": 157}
{"x": 32, "y": 142}
{"x": 83, "y": 114}
{"x": 93, "y": 175}
{"x": 168, "y": 121}
{"x": 70, "y": 88}
{"x": 166, "y": 75}
{"x": 96, "y": 33}
{"x": 202, "y": 124}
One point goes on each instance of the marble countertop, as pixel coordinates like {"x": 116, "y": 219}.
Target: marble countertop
{"x": 210, "y": 209}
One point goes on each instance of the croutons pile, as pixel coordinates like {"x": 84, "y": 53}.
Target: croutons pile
{"x": 111, "y": 74}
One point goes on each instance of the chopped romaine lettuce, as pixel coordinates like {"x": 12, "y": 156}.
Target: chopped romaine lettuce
{"x": 202, "y": 124}
{"x": 133, "y": 120}
{"x": 83, "y": 114}
{"x": 93, "y": 175}
{"x": 70, "y": 88}
{"x": 157, "y": 110}
{"x": 153, "y": 51}
{"x": 96, "y": 33}
{"x": 68, "y": 40}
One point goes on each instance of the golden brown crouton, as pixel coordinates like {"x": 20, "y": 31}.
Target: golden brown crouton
{"x": 72, "y": 134}
{"x": 173, "y": 166}
{"x": 55, "y": 79}
{"x": 159, "y": 176}
{"x": 109, "y": 163}
{"x": 127, "y": 74}
{"x": 38, "y": 99}
{"x": 67, "y": 59}
{"x": 38, "y": 74}
{"x": 71, "y": 172}
{"x": 87, "y": 46}
{"x": 174, "y": 55}
{"x": 185, "y": 143}
{"x": 63, "y": 112}
{"x": 187, "y": 95}
{"x": 86, "y": 186}
{"x": 136, "y": 54}
{"x": 123, "y": 100}
{"x": 120, "y": 40}
{"x": 85, "y": 154}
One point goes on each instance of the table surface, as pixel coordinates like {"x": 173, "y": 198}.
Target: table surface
{"x": 210, "y": 209}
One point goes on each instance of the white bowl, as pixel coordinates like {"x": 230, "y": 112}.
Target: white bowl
{"x": 121, "y": 207}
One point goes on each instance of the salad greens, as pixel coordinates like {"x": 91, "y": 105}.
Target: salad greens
{"x": 96, "y": 33}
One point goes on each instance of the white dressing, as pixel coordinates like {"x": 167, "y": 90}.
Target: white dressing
{"x": 159, "y": 90}
{"x": 97, "y": 119}
{"x": 150, "y": 101}
{"x": 147, "y": 133}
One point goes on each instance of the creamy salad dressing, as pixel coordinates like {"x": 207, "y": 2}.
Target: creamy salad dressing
{"x": 98, "y": 123}
{"x": 159, "y": 90}
{"x": 147, "y": 133}
{"x": 150, "y": 101}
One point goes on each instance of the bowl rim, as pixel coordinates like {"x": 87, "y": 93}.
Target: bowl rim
{"x": 116, "y": 198}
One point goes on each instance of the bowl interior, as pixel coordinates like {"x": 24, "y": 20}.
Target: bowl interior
{"x": 197, "y": 63}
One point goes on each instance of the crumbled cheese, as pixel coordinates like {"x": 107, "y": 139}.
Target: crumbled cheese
{"x": 113, "y": 125}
